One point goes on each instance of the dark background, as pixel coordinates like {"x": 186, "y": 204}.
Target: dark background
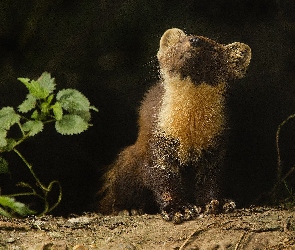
{"x": 107, "y": 50}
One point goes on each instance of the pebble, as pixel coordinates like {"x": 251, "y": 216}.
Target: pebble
{"x": 79, "y": 247}
{"x": 10, "y": 240}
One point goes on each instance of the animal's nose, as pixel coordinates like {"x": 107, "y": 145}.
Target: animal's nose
{"x": 194, "y": 41}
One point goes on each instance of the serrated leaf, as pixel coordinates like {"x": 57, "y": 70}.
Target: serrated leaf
{"x": 33, "y": 127}
{"x": 8, "y": 117}
{"x": 10, "y": 145}
{"x": 45, "y": 107}
{"x": 3, "y": 134}
{"x": 46, "y": 82}
{"x": 3, "y": 166}
{"x": 25, "y": 81}
{"x": 4, "y": 213}
{"x": 35, "y": 88}
{"x": 85, "y": 115}
{"x": 73, "y": 100}
{"x": 71, "y": 124}
{"x": 35, "y": 115}
{"x": 15, "y": 206}
{"x": 57, "y": 111}
{"x": 27, "y": 104}
{"x": 50, "y": 98}
{"x": 93, "y": 108}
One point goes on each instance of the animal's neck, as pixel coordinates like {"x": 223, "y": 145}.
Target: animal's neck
{"x": 192, "y": 114}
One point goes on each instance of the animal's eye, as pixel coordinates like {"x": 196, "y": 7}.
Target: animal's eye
{"x": 198, "y": 42}
{"x": 195, "y": 42}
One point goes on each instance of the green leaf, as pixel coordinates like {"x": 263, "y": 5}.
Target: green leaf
{"x": 34, "y": 88}
{"x": 93, "y": 108}
{"x": 25, "y": 81}
{"x": 8, "y": 117}
{"x": 57, "y": 111}
{"x": 41, "y": 88}
{"x": 10, "y": 145}
{"x": 45, "y": 106}
{"x": 33, "y": 127}
{"x": 35, "y": 115}
{"x": 28, "y": 104}
{"x": 4, "y": 213}
{"x": 71, "y": 124}
{"x": 15, "y": 206}
{"x": 85, "y": 115}
{"x": 73, "y": 100}
{"x": 50, "y": 98}
{"x": 3, "y": 166}
{"x": 3, "y": 134}
{"x": 46, "y": 82}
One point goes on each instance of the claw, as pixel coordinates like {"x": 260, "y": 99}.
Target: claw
{"x": 228, "y": 206}
{"x": 178, "y": 218}
{"x": 166, "y": 216}
{"x": 212, "y": 207}
{"x": 223, "y": 206}
{"x": 190, "y": 212}
{"x": 184, "y": 213}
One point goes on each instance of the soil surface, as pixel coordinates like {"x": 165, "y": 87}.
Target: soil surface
{"x": 254, "y": 228}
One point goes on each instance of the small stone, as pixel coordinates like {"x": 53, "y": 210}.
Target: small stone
{"x": 80, "y": 220}
{"x": 124, "y": 213}
{"x": 48, "y": 246}
{"x": 79, "y": 247}
{"x": 10, "y": 240}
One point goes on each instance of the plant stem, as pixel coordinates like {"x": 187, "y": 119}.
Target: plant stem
{"x": 272, "y": 192}
{"x": 47, "y": 208}
{"x": 45, "y": 190}
{"x": 279, "y": 167}
{"x": 21, "y": 129}
{"x": 31, "y": 170}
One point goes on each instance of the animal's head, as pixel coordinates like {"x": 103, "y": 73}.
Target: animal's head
{"x": 200, "y": 58}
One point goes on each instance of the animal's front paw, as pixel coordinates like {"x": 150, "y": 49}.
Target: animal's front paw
{"x": 228, "y": 206}
{"x": 184, "y": 213}
{"x": 222, "y": 206}
{"x": 213, "y": 207}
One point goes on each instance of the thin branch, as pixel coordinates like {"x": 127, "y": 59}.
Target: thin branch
{"x": 31, "y": 170}
{"x": 45, "y": 189}
{"x": 279, "y": 167}
{"x": 195, "y": 233}
{"x": 282, "y": 180}
{"x": 240, "y": 240}
{"x": 47, "y": 207}
{"x": 21, "y": 129}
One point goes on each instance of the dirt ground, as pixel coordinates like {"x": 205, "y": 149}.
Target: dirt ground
{"x": 254, "y": 228}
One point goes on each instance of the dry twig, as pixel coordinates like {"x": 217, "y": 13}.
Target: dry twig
{"x": 195, "y": 233}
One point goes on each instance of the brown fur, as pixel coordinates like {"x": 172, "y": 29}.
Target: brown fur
{"x": 176, "y": 161}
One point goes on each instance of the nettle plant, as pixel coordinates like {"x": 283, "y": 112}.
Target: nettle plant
{"x": 289, "y": 201}
{"x": 68, "y": 109}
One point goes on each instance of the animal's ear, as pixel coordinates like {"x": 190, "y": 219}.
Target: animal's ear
{"x": 238, "y": 59}
{"x": 170, "y": 38}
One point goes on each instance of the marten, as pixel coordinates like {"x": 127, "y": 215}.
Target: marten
{"x": 175, "y": 165}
